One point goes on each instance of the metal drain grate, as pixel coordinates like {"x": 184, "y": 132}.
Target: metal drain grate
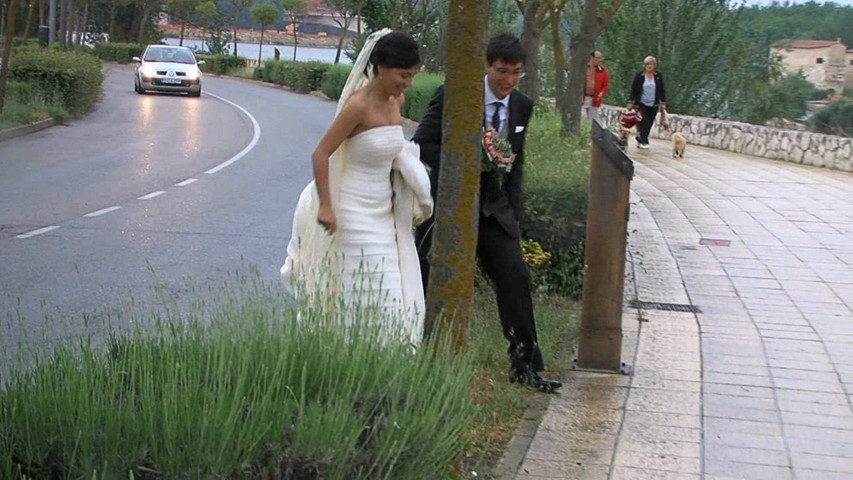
{"x": 667, "y": 307}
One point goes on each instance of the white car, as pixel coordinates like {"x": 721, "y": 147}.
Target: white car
{"x": 168, "y": 68}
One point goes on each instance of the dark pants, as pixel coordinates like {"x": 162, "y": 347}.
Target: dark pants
{"x": 649, "y": 114}
{"x": 501, "y": 259}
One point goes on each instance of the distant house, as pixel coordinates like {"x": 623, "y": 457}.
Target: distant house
{"x": 848, "y": 72}
{"x": 825, "y": 63}
{"x": 321, "y": 19}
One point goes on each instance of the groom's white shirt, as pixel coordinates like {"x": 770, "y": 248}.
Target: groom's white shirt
{"x": 490, "y": 101}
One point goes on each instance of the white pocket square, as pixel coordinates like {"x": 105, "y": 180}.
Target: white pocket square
{"x": 519, "y": 128}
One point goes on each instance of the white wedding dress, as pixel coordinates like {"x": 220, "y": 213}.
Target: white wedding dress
{"x": 369, "y": 267}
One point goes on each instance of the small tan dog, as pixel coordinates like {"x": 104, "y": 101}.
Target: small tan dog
{"x": 679, "y": 144}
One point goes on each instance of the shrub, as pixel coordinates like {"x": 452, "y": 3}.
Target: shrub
{"x": 302, "y": 77}
{"x": 419, "y": 95}
{"x": 70, "y": 79}
{"x": 239, "y": 388}
{"x": 221, "y": 64}
{"x": 834, "y": 119}
{"x": 117, "y": 52}
{"x": 556, "y": 187}
{"x": 334, "y": 81}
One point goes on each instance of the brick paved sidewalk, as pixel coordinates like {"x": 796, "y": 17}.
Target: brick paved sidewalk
{"x": 758, "y": 383}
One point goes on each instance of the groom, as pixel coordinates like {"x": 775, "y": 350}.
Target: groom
{"x": 499, "y": 242}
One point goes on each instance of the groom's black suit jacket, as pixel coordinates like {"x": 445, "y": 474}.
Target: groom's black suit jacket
{"x": 504, "y": 203}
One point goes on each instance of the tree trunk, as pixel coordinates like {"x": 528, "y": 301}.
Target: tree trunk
{"x": 451, "y": 281}
{"x": 559, "y": 62}
{"x": 583, "y": 42}
{"x": 342, "y": 37}
{"x": 295, "y": 40}
{"x": 530, "y": 34}
{"x": 30, "y": 9}
{"x": 113, "y": 12}
{"x": 261, "y": 47}
{"x": 183, "y": 27}
{"x": 7, "y": 51}
{"x": 146, "y": 11}
{"x": 69, "y": 25}
{"x": 83, "y": 23}
{"x": 63, "y": 10}
{"x": 235, "y": 33}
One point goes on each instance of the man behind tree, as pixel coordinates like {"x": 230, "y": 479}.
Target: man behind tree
{"x": 507, "y": 112}
{"x": 595, "y": 89}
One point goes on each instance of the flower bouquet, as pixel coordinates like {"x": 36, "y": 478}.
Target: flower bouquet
{"x": 498, "y": 152}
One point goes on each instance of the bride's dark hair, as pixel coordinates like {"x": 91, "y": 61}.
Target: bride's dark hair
{"x": 395, "y": 50}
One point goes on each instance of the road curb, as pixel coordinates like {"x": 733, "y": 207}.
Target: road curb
{"x": 16, "y": 132}
{"x": 513, "y": 456}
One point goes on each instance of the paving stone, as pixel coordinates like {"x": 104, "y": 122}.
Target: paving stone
{"x": 658, "y": 461}
{"x": 552, "y": 470}
{"x": 630, "y": 473}
{"x": 823, "y": 462}
{"x": 747, "y": 470}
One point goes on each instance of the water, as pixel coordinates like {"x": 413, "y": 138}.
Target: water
{"x": 250, "y": 51}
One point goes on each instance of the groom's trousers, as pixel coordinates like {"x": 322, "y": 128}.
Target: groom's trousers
{"x": 502, "y": 261}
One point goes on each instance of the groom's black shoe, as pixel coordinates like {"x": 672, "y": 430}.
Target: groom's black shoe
{"x": 520, "y": 372}
{"x": 533, "y": 379}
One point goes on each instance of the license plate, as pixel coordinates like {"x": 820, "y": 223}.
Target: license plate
{"x": 175, "y": 81}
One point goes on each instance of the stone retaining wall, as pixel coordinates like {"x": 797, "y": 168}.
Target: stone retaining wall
{"x": 794, "y": 146}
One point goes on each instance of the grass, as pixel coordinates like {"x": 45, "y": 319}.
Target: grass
{"x": 16, "y": 113}
{"x": 239, "y": 388}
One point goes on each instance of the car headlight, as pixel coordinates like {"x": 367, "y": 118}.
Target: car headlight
{"x": 193, "y": 74}
{"x": 148, "y": 71}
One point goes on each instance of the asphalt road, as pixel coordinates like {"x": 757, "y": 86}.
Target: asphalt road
{"x": 149, "y": 190}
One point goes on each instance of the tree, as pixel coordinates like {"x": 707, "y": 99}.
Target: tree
{"x": 112, "y": 7}
{"x": 708, "y": 64}
{"x": 182, "y": 9}
{"x": 294, "y": 9}
{"x": 343, "y": 12}
{"x": 264, "y": 15}
{"x": 531, "y": 32}
{"x": 207, "y": 12}
{"x": 7, "y": 50}
{"x": 451, "y": 282}
{"x": 239, "y": 6}
{"x": 592, "y": 24}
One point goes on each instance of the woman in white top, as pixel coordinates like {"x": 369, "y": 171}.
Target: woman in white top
{"x": 647, "y": 95}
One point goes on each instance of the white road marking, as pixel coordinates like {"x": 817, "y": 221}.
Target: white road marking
{"x": 186, "y": 182}
{"x": 102, "y": 211}
{"x": 251, "y": 144}
{"x": 151, "y": 195}
{"x": 38, "y": 232}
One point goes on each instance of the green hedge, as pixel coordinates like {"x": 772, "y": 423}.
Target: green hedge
{"x": 333, "y": 82}
{"x": 70, "y": 79}
{"x": 302, "y": 77}
{"x": 221, "y": 64}
{"x": 419, "y": 94}
{"x": 556, "y": 192}
{"x": 117, "y": 52}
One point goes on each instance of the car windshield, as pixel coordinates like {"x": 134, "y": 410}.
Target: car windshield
{"x": 175, "y": 55}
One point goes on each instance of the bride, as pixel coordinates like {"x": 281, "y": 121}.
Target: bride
{"x": 352, "y": 241}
